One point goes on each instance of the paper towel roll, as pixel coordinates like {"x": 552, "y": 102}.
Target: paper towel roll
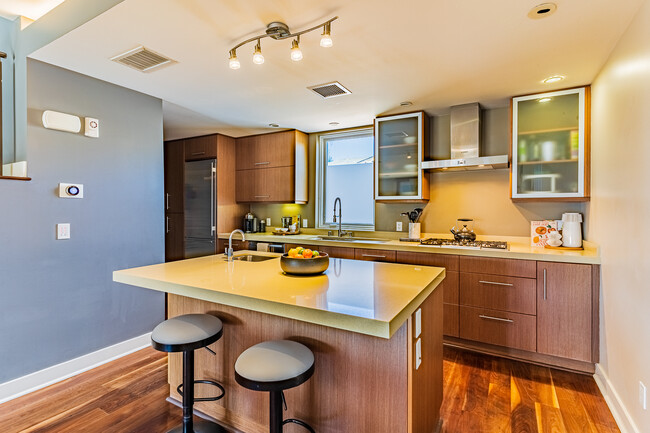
{"x": 262, "y": 246}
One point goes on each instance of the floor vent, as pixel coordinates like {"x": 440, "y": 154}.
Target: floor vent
{"x": 330, "y": 90}
{"x": 142, "y": 59}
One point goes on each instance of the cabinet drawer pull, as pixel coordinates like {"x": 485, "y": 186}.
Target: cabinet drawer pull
{"x": 496, "y": 284}
{"x": 166, "y": 224}
{"x": 377, "y": 256}
{"x": 167, "y": 201}
{"x": 498, "y": 319}
{"x": 262, "y": 163}
{"x": 198, "y": 153}
{"x": 544, "y": 284}
{"x": 262, "y": 196}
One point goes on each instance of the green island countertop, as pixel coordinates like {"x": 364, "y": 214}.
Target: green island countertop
{"x": 371, "y": 298}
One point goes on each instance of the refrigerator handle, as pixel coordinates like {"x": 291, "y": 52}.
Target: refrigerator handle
{"x": 213, "y": 180}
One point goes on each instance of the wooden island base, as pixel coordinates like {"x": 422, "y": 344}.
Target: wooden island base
{"x": 361, "y": 383}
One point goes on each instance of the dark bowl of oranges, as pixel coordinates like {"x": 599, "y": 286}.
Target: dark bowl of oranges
{"x": 303, "y": 261}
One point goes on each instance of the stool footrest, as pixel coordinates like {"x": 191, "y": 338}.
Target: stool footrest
{"x": 179, "y": 389}
{"x": 300, "y": 423}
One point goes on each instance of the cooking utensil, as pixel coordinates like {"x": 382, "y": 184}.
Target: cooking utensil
{"x": 414, "y": 215}
{"x": 465, "y": 232}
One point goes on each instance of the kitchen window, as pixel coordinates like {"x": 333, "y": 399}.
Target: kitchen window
{"x": 344, "y": 168}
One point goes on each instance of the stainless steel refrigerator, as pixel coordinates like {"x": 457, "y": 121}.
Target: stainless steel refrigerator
{"x": 200, "y": 208}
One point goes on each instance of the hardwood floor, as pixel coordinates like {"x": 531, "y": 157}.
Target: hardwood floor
{"x": 481, "y": 394}
{"x": 495, "y": 395}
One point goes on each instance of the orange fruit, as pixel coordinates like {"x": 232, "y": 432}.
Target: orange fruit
{"x": 299, "y": 256}
{"x": 307, "y": 253}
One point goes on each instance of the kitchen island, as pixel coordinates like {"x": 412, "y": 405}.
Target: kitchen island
{"x": 375, "y": 369}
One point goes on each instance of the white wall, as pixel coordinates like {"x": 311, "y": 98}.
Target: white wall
{"x": 619, "y": 214}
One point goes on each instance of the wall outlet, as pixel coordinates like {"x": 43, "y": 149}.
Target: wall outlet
{"x": 268, "y": 222}
{"x": 305, "y": 222}
{"x": 398, "y": 226}
{"x": 642, "y": 396}
{"x": 63, "y": 231}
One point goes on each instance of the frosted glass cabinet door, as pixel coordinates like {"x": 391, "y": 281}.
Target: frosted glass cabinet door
{"x": 550, "y": 145}
{"x": 399, "y": 142}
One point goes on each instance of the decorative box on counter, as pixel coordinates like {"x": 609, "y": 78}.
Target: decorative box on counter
{"x": 539, "y": 231}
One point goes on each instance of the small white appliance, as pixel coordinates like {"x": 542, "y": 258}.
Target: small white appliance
{"x": 572, "y": 229}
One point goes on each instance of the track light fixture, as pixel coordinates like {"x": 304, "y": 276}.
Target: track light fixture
{"x": 277, "y": 31}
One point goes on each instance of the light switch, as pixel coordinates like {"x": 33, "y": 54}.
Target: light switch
{"x": 418, "y": 353}
{"x": 418, "y": 322}
{"x": 63, "y": 231}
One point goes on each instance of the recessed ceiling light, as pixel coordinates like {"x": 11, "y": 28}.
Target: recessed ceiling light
{"x": 406, "y": 103}
{"x": 553, "y": 79}
{"x": 334, "y": 123}
{"x": 544, "y": 100}
{"x": 542, "y": 11}
{"x": 274, "y": 125}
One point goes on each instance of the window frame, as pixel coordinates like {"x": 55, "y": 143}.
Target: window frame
{"x": 321, "y": 161}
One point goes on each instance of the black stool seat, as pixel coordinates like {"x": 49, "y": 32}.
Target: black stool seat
{"x": 274, "y": 366}
{"x": 186, "y": 332}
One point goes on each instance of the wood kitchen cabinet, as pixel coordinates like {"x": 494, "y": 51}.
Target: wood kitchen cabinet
{"x": 565, "y": 307}
{"x": 550, "y": 146}
{"x": 374, "y": 255}
{"x": 399, "y": 150}
{"x": 174, "y": 236}
{"x": 204, "y": 147}
{"x": 174, "y": 159}
{"x": 237, "y": 245}
{"x": 450, "y": 324}
{"x": 333, "y": 252}
{"x": 272, "y": 168}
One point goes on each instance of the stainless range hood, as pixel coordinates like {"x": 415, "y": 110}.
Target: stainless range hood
{"x": 466, "y": 142}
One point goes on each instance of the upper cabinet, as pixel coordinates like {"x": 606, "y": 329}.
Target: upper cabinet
{"x": 272, "y": 168}
{"x": 550, "y": 146}
{"x": 399, "y": 150}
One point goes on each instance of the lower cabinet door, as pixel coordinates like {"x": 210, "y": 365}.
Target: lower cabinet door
{"x": 564, "y": 310}
{"x": 501, "y": 328}
{"x": 174, "y": 237}
{"x": 450, "y": 320}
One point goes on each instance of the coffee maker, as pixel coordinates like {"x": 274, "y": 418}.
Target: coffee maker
{"x": 250, "y": 223}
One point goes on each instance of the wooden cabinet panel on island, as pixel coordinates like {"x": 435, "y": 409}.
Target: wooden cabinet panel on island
{"x": 272, "y": 168}
{"x": 565, "y": 297}
{"x": 550, "y": 146}
{"x": 400, "y": 141}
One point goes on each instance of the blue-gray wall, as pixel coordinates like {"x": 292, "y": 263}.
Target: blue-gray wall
{"x": 57, "y": 297}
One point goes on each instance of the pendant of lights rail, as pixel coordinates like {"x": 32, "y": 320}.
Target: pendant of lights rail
{"x": 278, "y": 31}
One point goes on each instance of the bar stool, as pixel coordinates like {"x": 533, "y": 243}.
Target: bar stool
{"x": 185, "y": 334}
{"x": 274, "y": 366}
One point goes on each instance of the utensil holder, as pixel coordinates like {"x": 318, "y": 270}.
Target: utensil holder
{"x": 414, "y": 230}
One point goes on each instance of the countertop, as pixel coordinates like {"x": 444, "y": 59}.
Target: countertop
{"x": 370, "y": 298}
{"x": 519, "y": 247}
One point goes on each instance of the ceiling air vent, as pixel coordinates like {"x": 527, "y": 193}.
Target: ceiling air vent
{"x": 142, "y": 59}
{"x": 330, "y": 90}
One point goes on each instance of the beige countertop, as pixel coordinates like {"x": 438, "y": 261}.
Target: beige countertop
{"x": 370, "y": 298}
{"x": 519, "y": 247}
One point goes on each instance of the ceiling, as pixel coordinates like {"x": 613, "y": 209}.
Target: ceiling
{"x": 434, "y": 53}
{"x": 32, "y": 9}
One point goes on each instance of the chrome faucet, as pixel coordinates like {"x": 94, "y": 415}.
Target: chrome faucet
{"x": 229, "y": 249}
{"x": 341, "y": 232}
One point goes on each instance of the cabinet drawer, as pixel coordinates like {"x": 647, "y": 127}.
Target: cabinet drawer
{"x": 446, "y": 261}
{"x": 510, "y": 267}
{"x": 517, "y": 295}
{"x": 450, "y": 319}
{"x": 333, "y": 252}
{"x": 500, "y": 328}
{"x": 374, "y": 255}
{"x": 201, "y": 148}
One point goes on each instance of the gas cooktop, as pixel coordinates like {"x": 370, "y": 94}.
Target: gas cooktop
{"x": 474, "y": 245}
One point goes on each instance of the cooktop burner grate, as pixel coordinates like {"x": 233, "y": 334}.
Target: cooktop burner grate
{"x": 474, "y": 245}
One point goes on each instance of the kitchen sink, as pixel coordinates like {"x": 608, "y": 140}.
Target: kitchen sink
{"x": 353, "y": 239}
{"x": 251, "y": 258}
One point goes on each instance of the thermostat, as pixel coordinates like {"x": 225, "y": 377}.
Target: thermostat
{"x": 71, "y": 190}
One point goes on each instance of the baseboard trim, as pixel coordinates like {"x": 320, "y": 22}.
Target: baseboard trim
{"x": 616, "y": 406}
{"x": 56, "y": 373}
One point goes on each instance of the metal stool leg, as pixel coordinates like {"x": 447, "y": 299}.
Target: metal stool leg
{"x": 275, "y": 413}
{"x": 188, "y": 391}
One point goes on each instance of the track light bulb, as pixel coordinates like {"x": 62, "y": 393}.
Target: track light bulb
{"x": 296, "y": 54}
{"x": 258, "y": 58}
{"x": 234, "y": 61}
{"x": 326, "y": 37}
